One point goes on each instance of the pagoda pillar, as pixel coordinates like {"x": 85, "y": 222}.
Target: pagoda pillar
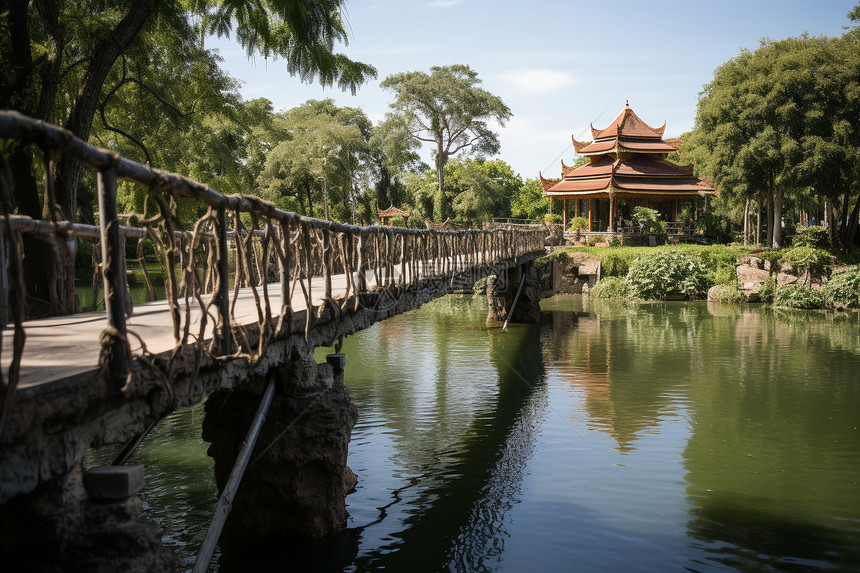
{"x": 590, "y": 209}
{"x": 576, "y": 207}
{"x": 549, "y": 199}
{"x": 613, "y": 210}
{"x": 564, "y": 215}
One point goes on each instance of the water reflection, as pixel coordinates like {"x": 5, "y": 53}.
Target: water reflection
{"x": 678, "y": 436}
{"x": 480, "y": 544}
{"x": 772, "y": 462}
{"x": 629, "y": 363}
{"x": 480, "y": 430}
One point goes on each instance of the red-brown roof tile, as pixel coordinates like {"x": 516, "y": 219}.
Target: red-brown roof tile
{"x": 391, "y": 212}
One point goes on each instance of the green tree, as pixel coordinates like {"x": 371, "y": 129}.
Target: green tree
{"x": 62, "y": 55}
{"x": 529, "y": 201}
{"x": 320, "y": 161}
{"x": 477, "y": 189}
{"x": 779, "y": 125}
{"x": 393, "y": 154}
{"x": 449, "y": 109}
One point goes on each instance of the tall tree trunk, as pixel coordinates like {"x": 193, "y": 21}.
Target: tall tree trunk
{"x": 747, "y": 222}
{"x": 777, "y": 217}
{"x": 769, "y": 218}
{"x": 54, "y": 281}
{"x": 80, "y": 120}
{"x": 828, "y": 221}
{"x": 439, "y": 203}
{"x": 848, "y": 232}
{"x": 758, "y": 222}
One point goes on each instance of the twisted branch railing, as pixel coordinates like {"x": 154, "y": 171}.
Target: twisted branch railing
{"x": 242, "y": 237}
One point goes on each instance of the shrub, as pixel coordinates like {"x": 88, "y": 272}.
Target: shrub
{"x": 655, "y": 275}
{"x": 731, "y": 295}
{"x": 843, "y": 289}
{"x": 815, "y": 237}
{"x": 612, "y": 288}
{"x": 797, "y": 296}
{"x": 578, "y": 224}
{"x": 806, "y": 258}
{"x": 774, "y": 256}
{"x": 725, "y": 275}
{"x": 614, "y": 242}
{"x": 591, "y": 240}
{"x": 616, "y": 262}
{"x": 553, "y": 218}
{"x": 767, "y": 290}
{"x": 650, "y": 221}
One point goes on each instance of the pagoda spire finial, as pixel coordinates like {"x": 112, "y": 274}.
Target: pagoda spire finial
{"x": 627, "y": 103}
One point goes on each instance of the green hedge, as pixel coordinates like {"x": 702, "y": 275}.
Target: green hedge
{"x": 612, "y": 288}
{"x": 719, "y": 260}
{"x": 843, "y": 289}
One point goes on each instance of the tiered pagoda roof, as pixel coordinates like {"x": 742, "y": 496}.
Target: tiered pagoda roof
{"x": 627, "y": 158}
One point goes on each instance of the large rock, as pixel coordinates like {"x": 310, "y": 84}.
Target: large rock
{"x": 715, "y": 291}
{"x": 750, "y": 276}
{"x": 574, "y": 273}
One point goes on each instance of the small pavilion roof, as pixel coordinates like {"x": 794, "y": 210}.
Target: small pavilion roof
{"x": 547, "y": 183}
{"x": 391, "y": 212}
{"x": 627, "y": 133}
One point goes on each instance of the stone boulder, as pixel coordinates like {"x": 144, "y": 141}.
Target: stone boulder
{"x": 751, "y": 273}
{"x": 789, "y": 275}
{"x": 714, "y": 292}
{"x": 575, "y": 273}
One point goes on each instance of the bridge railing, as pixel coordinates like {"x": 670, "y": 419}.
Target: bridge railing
{"x": 239, "y": 237}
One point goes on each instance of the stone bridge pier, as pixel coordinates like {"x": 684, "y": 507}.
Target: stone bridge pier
{"x": 293, "y": 493}
{"x": 502, "y": 290}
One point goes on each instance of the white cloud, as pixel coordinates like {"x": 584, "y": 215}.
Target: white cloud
{"x": 537, "y": 81}
{"x": 445, "y": 3}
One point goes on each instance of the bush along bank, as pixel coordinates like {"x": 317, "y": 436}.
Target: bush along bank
{"x": 645, "y": 273}
{"x": 791, "y": 278}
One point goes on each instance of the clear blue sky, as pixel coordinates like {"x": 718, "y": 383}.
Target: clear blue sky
{"x": 557, "y": 65}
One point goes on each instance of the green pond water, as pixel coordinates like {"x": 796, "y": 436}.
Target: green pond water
{"x": 656, "y": 437}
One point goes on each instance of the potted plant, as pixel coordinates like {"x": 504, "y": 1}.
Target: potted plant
{"x": 577, "y": 225}
{"x": 551, "y": 219}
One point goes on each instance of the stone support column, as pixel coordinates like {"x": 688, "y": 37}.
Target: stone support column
{"x": 502, "y": 290}
{"x": 294, "y": 490}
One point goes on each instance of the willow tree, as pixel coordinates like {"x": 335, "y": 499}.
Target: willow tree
{"x": 62, "y": 54}
{"x": 449, "y": 109}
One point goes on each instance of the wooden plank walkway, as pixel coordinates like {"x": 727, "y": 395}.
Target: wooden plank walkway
{"x": 68, "y": 346}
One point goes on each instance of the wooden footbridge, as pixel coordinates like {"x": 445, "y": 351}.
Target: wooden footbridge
{"x": 249, "y": 288}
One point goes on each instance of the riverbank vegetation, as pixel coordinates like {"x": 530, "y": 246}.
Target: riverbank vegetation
{"x": 689, "y": 271}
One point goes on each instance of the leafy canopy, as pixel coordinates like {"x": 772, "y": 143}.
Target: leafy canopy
{"x": 449, "y": 109}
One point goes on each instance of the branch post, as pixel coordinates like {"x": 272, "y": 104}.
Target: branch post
{"x": 113, "y": 276}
